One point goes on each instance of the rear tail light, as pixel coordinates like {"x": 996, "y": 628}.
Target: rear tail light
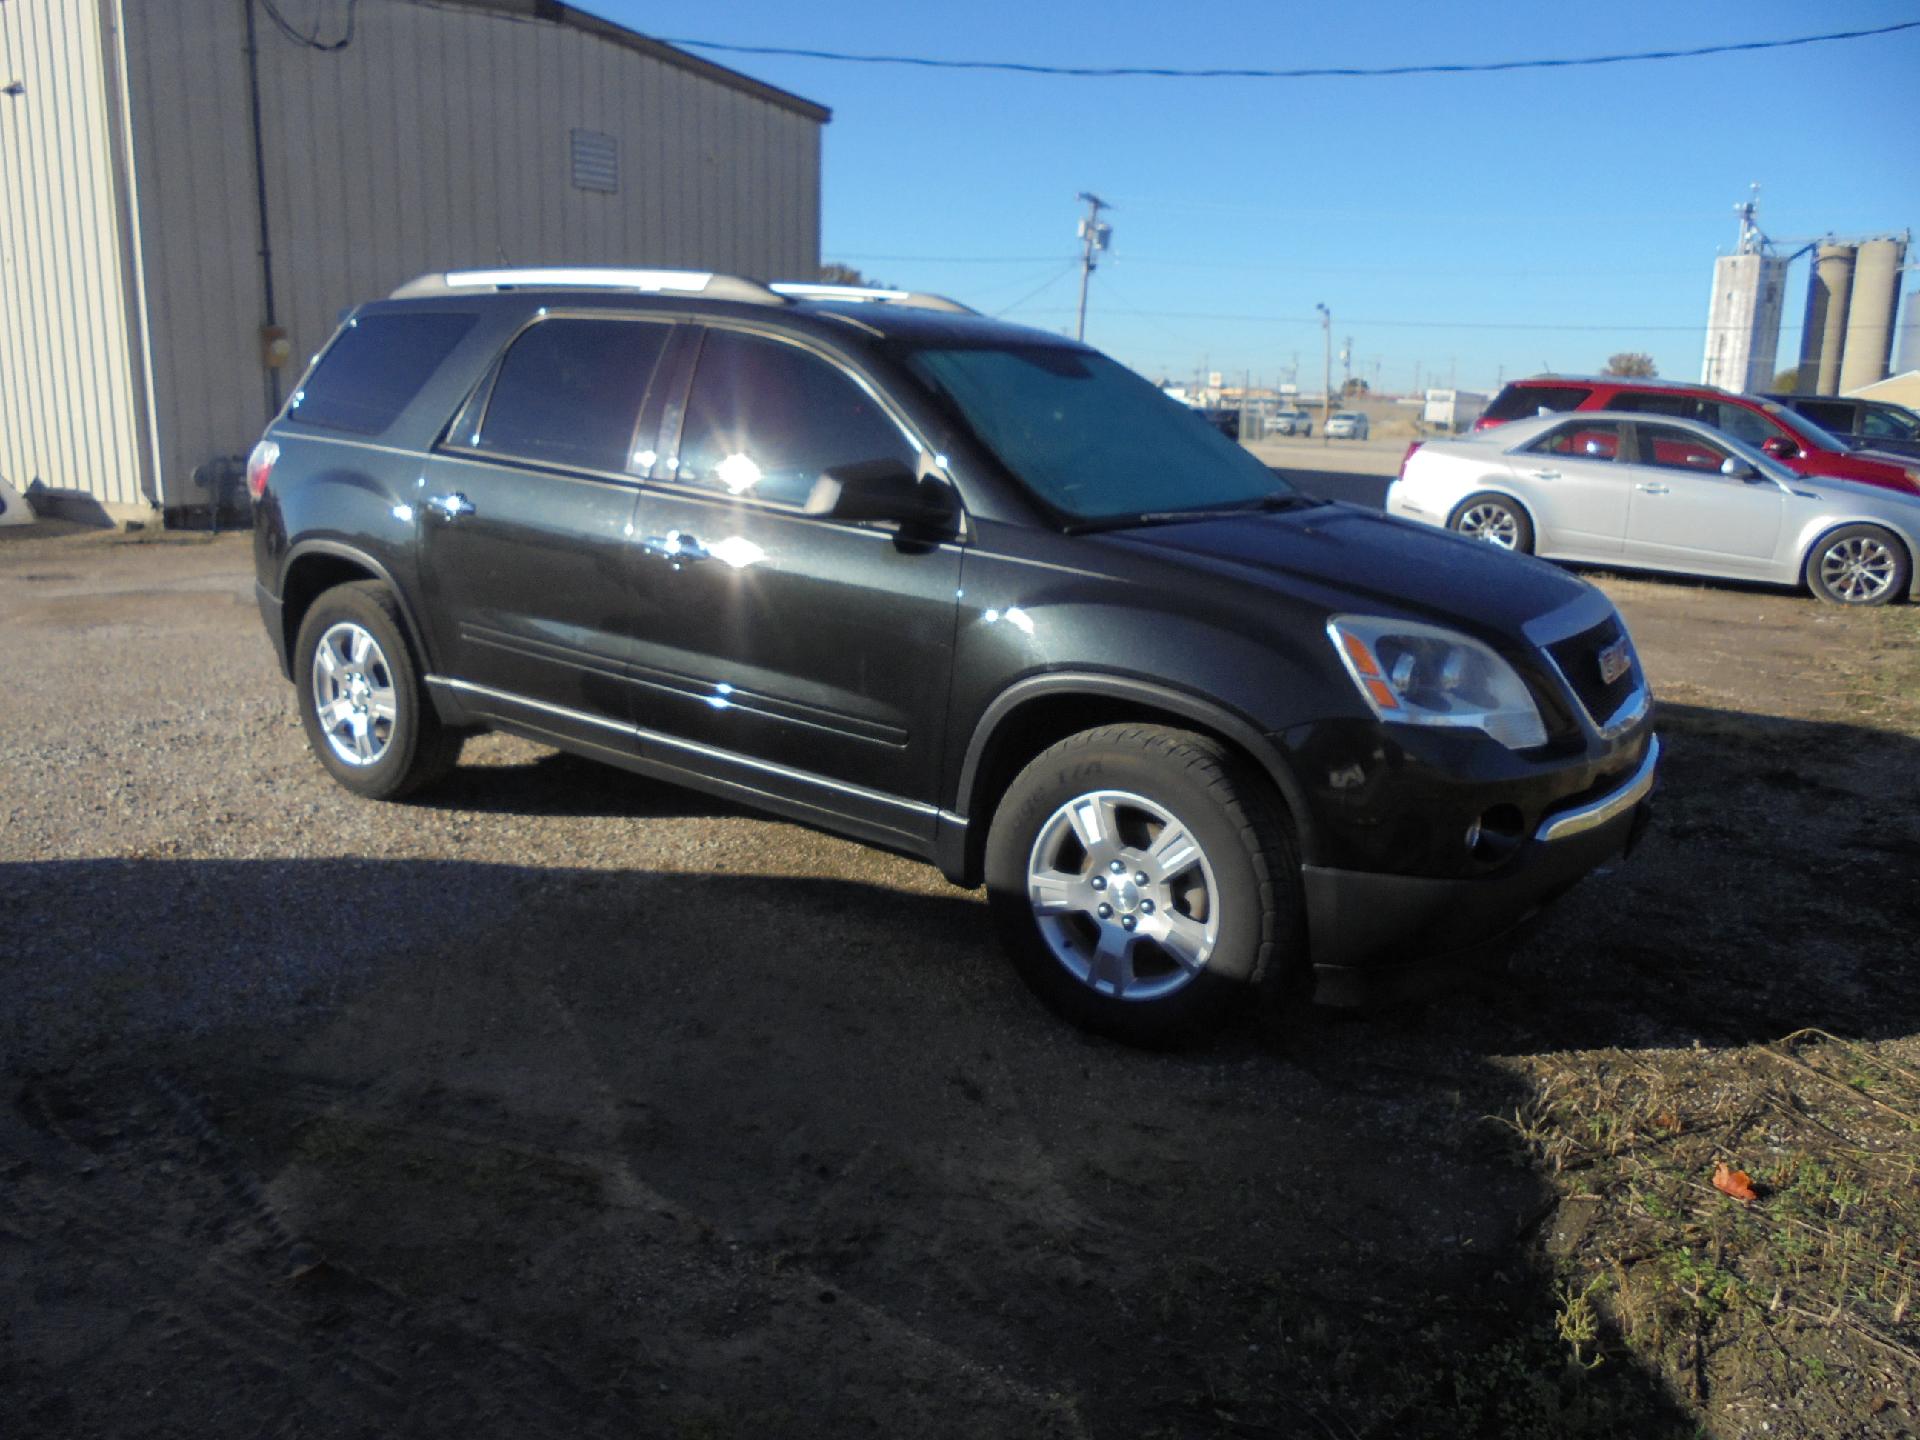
{"x": 1408, "y": 456}
{"x": 260, "y": 466}
{"x": 1485, "y": 422}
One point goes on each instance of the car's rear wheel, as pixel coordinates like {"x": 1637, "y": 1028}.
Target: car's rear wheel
{"x": 1495, "y": 519}
{"x": 1858, "y": 565}
{"x": 1143, "y": 882}
{"x": 366, "y": 714}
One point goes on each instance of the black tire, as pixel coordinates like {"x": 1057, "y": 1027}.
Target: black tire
{"x": 397, "y": 743}
{"x": 1486, "y": 515}
{"x": 1858, "y": 565}
{"x": 1242, "y": 890}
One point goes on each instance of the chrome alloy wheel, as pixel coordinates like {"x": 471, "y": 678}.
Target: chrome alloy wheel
{"x": 1123, "y": 895}
{"x": 1858, "y": 569}
{"x": 353, "y": 694}
{"x": 1492, "y": 523}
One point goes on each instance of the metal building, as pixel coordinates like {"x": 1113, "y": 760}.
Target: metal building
{"x": 194, "y": 191}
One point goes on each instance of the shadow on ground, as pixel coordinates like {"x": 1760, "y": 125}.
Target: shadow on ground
{"x": 409, "y": 1147}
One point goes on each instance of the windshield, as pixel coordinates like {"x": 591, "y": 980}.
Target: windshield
{"x": 1089, "y": 437}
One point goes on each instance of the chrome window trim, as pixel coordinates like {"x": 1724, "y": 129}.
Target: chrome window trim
{"x": 1596, "y": 813}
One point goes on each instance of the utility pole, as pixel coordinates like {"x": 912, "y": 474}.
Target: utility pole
{"x": 1093, "y": 236}
{"x": 1326, "y": 372}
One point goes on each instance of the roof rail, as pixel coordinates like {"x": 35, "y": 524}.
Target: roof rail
{"x": 912, "y": 299}
{"x": 690, "y": 282}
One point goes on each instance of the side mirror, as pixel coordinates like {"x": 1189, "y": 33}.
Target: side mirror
{"x": 886, "y": 490}
{"x": 1736, "y": 468}
{"x": 1780, "y": 447}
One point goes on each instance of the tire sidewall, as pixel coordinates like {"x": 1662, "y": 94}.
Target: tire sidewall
{"x": 357, "y": 604}
{"x": 1902, "y": 575}
{"x": 1242, "y": 888}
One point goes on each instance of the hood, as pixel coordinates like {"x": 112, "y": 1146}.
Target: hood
{"x": 1364, "y": 561}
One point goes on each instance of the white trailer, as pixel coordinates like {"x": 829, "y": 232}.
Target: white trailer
{"x": 1453, "y": 410}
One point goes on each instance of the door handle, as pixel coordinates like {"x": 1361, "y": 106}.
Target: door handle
{"x": 1546, "y": 474}
{"x": 677, "y": 546}
{"x": 451, "y": 506}
{"x": 1652, "y": 489}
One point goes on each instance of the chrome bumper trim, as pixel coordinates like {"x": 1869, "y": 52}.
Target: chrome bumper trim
{"x": 1596, "y": 813}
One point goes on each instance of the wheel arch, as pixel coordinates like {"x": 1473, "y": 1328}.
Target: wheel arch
{"x": 1035, "y": 713}
{"x": 1816, "y": 533}
{"x": 1489, "y": 486}
{"x": 318, "y": 566}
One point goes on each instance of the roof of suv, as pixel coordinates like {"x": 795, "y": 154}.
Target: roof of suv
{"x": 1635, "y": 382}
{"x": 910, "y": 314}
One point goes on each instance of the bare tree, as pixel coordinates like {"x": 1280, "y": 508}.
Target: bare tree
{"x": 1631, "y": 365}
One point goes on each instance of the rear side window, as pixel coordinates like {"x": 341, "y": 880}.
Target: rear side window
{"x": 375, "y": 367}
{"x": 1681, "y": 407}
{"x": 1599, "y": 441}
{"x": 1837, "y": 418}
{"x": 1519, "y": 402}
{"x": 569, "y": 392}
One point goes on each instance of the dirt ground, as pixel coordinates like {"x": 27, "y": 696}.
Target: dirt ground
{"x": 562, "y": 1104}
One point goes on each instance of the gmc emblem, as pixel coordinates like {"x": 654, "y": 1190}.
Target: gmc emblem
{"x": 1615, "y": 660}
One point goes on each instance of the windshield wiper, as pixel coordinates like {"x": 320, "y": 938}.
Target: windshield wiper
{"x": 1259, "y": 505}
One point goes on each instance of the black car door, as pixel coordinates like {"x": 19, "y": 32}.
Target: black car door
{"x": 526, "y": 526}
{"x": 805, "y": 657}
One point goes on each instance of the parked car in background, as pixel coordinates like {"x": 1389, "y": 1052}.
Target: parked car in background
{"x": 1290, "y": 422}
{"x": 1223, "y": 418}
{"x": 1657, "y": 493}
{"x": 964, "y": 590}
{"x": 1347, "y": 425}
{"x": 1865, "y": 424}
{"x": 1792, "y": 439}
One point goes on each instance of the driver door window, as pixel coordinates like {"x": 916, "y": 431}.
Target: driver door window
{"x": 1668, "y": 447}
{"x": 766, "y": 419}
{"x": 1599, "y": 440}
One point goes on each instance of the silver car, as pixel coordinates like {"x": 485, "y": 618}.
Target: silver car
{"x": 1347, "y": 425}
{"x": 1290, "y": 422}
{"x": 1609, "y": 488}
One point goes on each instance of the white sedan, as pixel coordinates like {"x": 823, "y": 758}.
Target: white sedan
{"x": 1655, "y": 493}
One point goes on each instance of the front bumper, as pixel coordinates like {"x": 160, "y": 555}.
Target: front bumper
{"x": 1373, "y": 935}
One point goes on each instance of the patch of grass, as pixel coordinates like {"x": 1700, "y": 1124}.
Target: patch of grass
{"x": 1788, "y": 1300}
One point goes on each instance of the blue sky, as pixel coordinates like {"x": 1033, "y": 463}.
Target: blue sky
{"x": 1474, "y": 226}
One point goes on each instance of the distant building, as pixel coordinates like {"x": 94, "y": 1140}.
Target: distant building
{"x": 196, "y": 190}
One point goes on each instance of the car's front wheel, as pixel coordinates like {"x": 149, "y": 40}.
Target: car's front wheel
{"x": 1143, "y": 882}
{"x": 1858, "y": 565}
{"x": 1494, "y": 519}
{"x": 366, "y": 714}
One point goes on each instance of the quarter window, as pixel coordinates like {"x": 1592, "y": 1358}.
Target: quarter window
{"x": 374, "y": 368}
{"x": 1888, "y": 425}
{"x": 766, "y": 419}
{"x": 1518, "y": 401}
{"x": 569, "y": 392}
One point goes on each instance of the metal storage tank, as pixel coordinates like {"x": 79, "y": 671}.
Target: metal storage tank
{"x": 1743, "y": 321}
{"x": 187, "y": 183}
{"x": 1907, "y": 351}
{"x": 1824, "y": 334}
{"x": 1876, "y": 290}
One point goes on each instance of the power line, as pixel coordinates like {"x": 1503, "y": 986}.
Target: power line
{"x": 1052, "y": 280}
{"x": 1319, "y": 72}
{"x": 1314, "y": 320}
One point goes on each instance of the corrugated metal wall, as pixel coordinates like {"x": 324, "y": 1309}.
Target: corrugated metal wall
{"x": 439, "y": 138}
{"x": 69, "y": 415}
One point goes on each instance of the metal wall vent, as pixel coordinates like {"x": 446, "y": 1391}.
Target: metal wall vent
{"x": 596, "y": 161}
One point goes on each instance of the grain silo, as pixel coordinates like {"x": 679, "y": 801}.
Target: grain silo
{"x": 1876, "y": 291}
{"x": 1743, "y": 321}
{"x": 1823, "y": 336}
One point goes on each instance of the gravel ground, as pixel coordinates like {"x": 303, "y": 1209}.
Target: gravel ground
{"x": 559, "y": 1103}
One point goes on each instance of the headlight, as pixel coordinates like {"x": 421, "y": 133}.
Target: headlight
{"x": 1415, "y": 674}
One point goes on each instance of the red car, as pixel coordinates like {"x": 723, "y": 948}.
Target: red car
{"x": 1792, "y": 439}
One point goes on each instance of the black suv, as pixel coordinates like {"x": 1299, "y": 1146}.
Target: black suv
{"x": 964, "y": 590}
{"x": 1864, "y": 424}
